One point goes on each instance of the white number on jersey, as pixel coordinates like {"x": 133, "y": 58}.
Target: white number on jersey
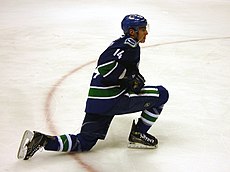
{"x": 118, "y": 53}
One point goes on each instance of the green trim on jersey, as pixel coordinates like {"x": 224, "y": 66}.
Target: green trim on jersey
{"x": 105, "y": 92}
{"x": 106, "y": 68}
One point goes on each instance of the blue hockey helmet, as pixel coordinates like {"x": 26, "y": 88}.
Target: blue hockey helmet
{"x": 133, "y": 21}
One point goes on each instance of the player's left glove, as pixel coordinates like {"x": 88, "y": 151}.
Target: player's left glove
{"x": 134, "y": 82}
{"x": 137, "y": 83}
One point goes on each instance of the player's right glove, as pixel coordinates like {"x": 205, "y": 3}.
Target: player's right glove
{"x": 134, "y": 82}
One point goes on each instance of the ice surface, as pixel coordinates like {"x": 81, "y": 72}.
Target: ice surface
{"x": 48, "y": 51}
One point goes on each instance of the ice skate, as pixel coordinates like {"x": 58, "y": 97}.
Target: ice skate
{"x": 140, "y": 140}
{"x": 31, "y": 142}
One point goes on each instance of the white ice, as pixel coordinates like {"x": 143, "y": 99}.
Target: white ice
{"x": 187, "y": 51}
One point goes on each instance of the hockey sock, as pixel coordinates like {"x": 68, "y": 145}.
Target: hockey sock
{"x": 148, "y": 118}
{"x": 142, "y": 127}
{"x": 52, "y": 144}
{"x": 63, "y": 143}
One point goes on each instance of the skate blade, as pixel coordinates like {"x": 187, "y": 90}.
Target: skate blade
{"x": 133, "y": 145}
{"x": 26, "y": 138}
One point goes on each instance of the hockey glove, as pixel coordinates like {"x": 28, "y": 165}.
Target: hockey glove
{"x": 134, "y": 83}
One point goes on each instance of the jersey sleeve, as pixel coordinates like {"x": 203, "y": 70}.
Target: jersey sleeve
{"x": 111, "y": 72}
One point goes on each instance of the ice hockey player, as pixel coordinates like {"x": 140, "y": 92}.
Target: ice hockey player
{"x": 116, "y": 88}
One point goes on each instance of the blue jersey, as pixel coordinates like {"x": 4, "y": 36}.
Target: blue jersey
{"x": 119, "y": 60}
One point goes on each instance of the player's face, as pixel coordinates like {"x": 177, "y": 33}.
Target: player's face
{"x": 141, "y": 36}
